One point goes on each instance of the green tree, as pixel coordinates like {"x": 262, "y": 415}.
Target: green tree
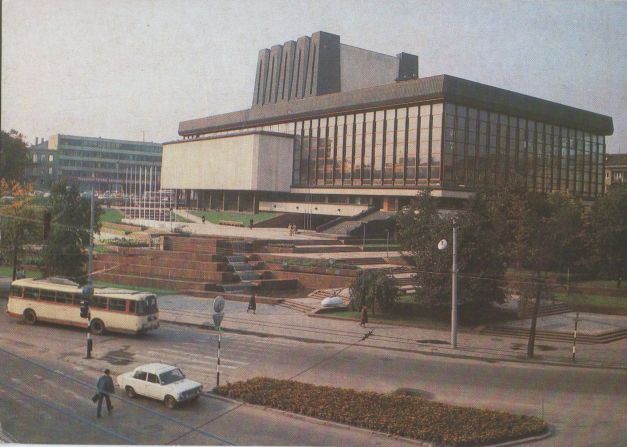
{"x": 373, "y": 288}
{"x": 19, "y": 223}
{"x": 65, "y": 251}
{"x": 14, "y": 157}
{"x": 480, "y": 260}
{"x": 547, "y": 235}
{"x": 608, "y": 225}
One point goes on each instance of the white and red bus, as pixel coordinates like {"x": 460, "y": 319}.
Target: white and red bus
{"x": 58, "y": 300}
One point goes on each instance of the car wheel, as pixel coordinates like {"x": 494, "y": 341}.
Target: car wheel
{"x": 29, "y": 316}
{"x": 170, "y": 402}
{"x": 130, "y": 392}
{"x": 97, "y": 327}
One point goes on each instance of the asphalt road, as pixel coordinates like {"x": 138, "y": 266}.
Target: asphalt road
{"x": 585, "y": 406}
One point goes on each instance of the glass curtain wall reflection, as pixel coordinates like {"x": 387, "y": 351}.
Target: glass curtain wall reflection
{"x": 496, "y": 147}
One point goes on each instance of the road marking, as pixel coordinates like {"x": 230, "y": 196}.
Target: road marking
{"x": 186, "y": 360}
{"x": 73, "y": 394}
{"x": 193, "y": 354}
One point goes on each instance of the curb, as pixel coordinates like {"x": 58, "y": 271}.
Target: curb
{"x": 317, "y": 421}
{"x": 550, "y": 432}
{"x": 211, "y": 395}
{"x": 415, "y": 351}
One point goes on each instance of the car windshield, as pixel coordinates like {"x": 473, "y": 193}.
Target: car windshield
{"x": 174, "y": 375}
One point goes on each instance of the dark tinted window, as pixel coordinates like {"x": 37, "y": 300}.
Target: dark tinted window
{"x": 31, "y": 293}
{"x": 99, "y": 302}
{"x": 47, "y": 295}
{"x": 141, "y": 375}
{"x": 64, "y": 297}
{"x": 117, "y": 304}
{"x": 16, "y": 291}
{"x": 152, "y": 378}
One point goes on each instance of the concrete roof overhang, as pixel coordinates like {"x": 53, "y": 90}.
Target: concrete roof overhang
{"x": 441, "y": 87}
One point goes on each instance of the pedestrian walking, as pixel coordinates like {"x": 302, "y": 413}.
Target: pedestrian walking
{"x": 364, "y": 316}
{"x": 105, "y": 388}
{"x": 203, "y": 218}
{"x": 290, "y": 229}
{"x": 252, "y": 304}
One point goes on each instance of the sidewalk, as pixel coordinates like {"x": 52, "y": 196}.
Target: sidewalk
{"x": 276, "y": 321}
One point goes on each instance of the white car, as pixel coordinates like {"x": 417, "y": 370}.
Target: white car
{"x": 160, "y": 381}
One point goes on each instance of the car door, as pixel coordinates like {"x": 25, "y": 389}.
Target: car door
{"x": 138, "y": 382}
{"x": 153, "y": 387}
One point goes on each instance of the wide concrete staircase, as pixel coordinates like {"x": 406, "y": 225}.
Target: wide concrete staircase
{"x": 350, "y": 226}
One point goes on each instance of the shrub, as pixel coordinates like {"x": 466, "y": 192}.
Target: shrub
{"x": 395, "y": 414}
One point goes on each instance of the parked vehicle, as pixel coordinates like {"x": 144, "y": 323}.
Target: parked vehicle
{"x": 160, "y": 381}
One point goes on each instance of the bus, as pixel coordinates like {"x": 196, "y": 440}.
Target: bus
{"x": 58, "y": 300}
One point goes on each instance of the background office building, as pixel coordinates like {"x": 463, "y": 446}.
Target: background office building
{"x": 108, "y": 164}
{"x": 615, "y": 169}
{"x": 335, "y": 129}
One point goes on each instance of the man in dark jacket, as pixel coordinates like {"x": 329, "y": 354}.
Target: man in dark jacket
{"x": 105, "y": 387}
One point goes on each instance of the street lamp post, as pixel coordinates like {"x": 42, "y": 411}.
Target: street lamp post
{"x": 442, "y": 246}
{"x": 387, "y": 243}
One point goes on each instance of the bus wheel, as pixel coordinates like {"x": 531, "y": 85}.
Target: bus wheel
{"x": 97, "y": 327}
{"x": 29, "y": 316}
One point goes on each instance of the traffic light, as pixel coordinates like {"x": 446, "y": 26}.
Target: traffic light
{"x": 47, "y": 220}
{"x": 84, "y": 309}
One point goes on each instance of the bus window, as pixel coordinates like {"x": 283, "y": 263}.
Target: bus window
{"x": 47, "y": 295}
{"x": 131, "y": 307}
{"x": 64, "y": 297}
{"x": 16, "y": 291}
{"x": 141, "y": 308}
{"x": 31, "y": 293}
{"x": 99, "y": 302}
{"x": 151, "y": 302}
{"x": 117, "y": 304}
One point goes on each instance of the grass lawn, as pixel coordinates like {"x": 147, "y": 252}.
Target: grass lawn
{"x": 7, "y": 271}
{"x": 140, "y": 289}
{"x": 216, "y": 216}
{"x": 111, "y": 215}
{"x": 593, "y": 300}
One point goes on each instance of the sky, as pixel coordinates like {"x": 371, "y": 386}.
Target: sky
{"x": 132, "y": 69}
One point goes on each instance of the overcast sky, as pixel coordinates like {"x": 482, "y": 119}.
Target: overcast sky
{"x": 128, "y": 68}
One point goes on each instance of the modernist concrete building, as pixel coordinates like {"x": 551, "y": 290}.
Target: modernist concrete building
{"x": 102, "y": 162}
{"x": 334, "y": 130}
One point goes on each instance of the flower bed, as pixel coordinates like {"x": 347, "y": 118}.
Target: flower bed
{"x": 401, "y": 415}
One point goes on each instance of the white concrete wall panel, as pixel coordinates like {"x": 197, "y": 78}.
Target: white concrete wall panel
{"x": 273, "y": 159}
{"x": 246, "y": 162}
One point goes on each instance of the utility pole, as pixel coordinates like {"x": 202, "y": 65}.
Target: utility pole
{"x": 363, "y": 239}
{"x": 534, "y": 316}
{"x": 454, "y": 292}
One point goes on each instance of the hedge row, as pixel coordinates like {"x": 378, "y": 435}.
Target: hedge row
{"x": 401, "y": 415}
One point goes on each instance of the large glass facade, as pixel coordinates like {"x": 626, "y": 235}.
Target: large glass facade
{"x": 443, "y": 145}
{"x": 546, "y": 157}
{"x": 395, "y": 147}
